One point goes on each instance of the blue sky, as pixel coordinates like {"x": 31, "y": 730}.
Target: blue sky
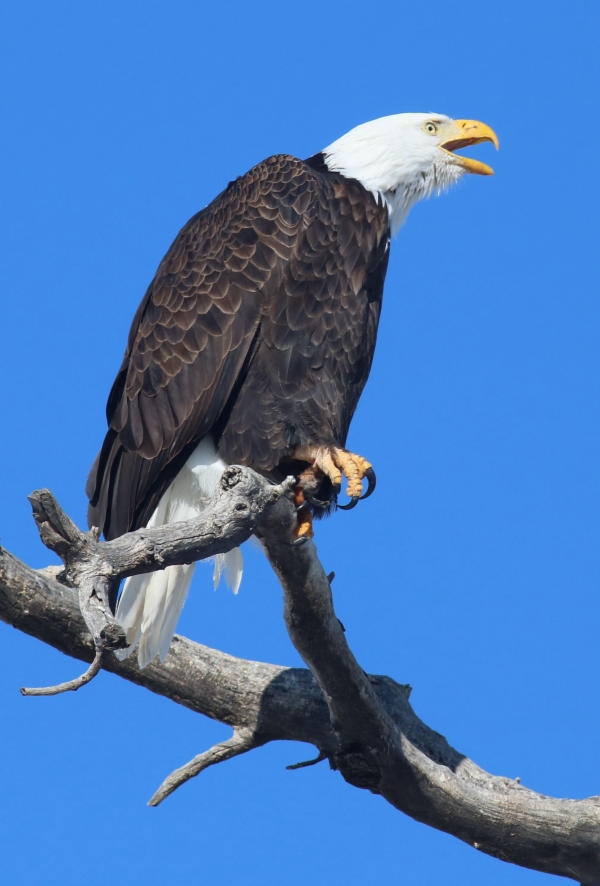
{"x": 471, "y": 574}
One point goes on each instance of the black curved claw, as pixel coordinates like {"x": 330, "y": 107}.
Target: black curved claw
{"x": 372, "y": 482}
{"x": 298, "y": 542}
{"x": 352, "y": 503}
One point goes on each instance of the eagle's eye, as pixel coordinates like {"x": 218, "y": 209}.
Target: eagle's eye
{"x": 431, "y": 128}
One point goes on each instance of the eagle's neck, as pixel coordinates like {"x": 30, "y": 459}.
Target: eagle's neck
{"x": 399, "y": 197}
{"x": 379, "y": 155}
{"x": 319, "y": 162}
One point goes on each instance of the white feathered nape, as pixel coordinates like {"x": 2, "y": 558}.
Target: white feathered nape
{"x": 150, "y": 604}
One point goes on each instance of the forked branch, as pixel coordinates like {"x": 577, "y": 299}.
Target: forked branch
{"x": 363, "y": 724}
{"x": 96, "y": 567}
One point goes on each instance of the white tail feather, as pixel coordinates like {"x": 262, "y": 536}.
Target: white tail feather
{"x": 150, "y": 605}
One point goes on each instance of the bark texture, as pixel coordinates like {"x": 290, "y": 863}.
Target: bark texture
{"x": 363, "y": 724}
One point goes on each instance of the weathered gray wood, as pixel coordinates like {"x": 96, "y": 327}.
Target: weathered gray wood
{"x": 96, "y": 567}
{"x": 363, "y": 724}
{"x": 390, "y": 751}
{"x": 242, "y": 741}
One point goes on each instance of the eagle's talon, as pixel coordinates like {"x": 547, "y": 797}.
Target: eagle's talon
{"x": 372, "y": 482}
{"x": 335, "y": 464}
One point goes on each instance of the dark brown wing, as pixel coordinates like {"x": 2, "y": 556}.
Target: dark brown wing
{"x": 270, "y": 284}
{"x": 190, "y": 339}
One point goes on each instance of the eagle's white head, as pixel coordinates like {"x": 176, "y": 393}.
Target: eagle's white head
{"x": 405, "y": 157}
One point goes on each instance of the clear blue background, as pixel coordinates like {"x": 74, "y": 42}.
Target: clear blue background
{"x": 472, "y": 573}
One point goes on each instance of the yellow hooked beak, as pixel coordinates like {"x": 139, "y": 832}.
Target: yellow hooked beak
{"x": 459, "y": 134}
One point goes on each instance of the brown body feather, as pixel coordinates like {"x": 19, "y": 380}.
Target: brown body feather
{"x": 258, "y": 329}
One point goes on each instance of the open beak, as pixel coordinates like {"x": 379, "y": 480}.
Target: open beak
{"x": 460, "y": 134}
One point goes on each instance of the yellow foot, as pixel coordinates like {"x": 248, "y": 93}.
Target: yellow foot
{"x": 304, "y": 526}
{"x": 335, "y": 463}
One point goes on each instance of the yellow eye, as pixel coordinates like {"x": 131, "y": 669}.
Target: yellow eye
{"x": 431, "y": 128}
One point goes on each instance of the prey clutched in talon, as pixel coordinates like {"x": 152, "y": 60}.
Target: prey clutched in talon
{"x": 336, "y": 463}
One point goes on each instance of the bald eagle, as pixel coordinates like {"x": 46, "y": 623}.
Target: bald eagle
{"x": 255, "y": 339}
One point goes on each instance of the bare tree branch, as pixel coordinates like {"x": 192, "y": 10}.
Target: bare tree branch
{"x": 96, "y": 568}
{"x": 69, "y": 685}
{"x": 241, "y": 741}
{"x": 363, "y": 724}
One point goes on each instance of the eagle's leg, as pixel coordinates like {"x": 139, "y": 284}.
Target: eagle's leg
{"x": 304, "y": 527}
{"x": 335, "y": 462}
